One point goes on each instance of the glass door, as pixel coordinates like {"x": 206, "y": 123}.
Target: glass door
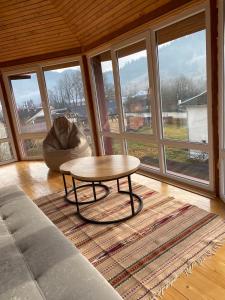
{"x": 7, "y": 150}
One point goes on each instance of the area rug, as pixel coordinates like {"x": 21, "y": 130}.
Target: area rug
{"x": 143, "y": 256}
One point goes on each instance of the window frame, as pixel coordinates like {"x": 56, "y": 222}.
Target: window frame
{"x": 152, "y": 57}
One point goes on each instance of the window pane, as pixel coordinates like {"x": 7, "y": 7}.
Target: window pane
{"x": 3, "y": 128}
{"x": 33, "y": 147}
{"x": 147, "y": 153}
{"x": 105, "y": 92}
{"x": 28, "y": 103}
{"x": 182, "y": 69}
{"x": 188, "y": 163}
{"x": 5, "y": 152}
{"x": 134, "y": 82}
{"x": 112, "y": 146}
{"x": 66, "y": 96}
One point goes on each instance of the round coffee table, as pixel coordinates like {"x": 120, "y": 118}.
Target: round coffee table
{"x": 105, "y": 168}
{"x": 65, "y": 169}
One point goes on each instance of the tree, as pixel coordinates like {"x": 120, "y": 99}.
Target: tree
{"x": 180, "y": 88}
{"x": 108, "y": 88}
{"x": 68, "y": 91}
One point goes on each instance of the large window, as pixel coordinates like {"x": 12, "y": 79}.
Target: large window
{"x": 161, "y": 99}
{"x": 39, "y": 94}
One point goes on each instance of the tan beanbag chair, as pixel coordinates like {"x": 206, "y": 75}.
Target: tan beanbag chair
{"x": 65, "y": 141}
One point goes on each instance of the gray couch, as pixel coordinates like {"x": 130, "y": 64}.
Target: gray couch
{"x": 37, "y": 261}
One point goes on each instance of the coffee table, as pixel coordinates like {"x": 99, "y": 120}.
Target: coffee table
{"x": 65, "y": 169}
{"x": 98, "y": 169}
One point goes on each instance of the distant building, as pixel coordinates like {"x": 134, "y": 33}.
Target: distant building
{"x": 137, "y": 111}
{"x": 197, "y": 119}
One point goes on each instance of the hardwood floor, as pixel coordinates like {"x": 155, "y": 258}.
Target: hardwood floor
{"x": 206, "y": 281}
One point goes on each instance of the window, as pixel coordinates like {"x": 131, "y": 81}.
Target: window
{"x": 33, "y": 147}
{"x": 112, "y": 145}
{"x": 184, "y": 98}
{"x": 28, "y": 104}
{"x": 134, "y": 83}
{"x": 29, "y": 112}
{"x": 191, "y": 164}
{"x": 183, "y": 88}
{"x": 41, "y": 94}
{"x": 105, "y": 92}
{"x": 66, "y": 95}
{"x": 162, "y": 100}
{"x": 146, "y": 152}
{"x": 6, "y": 145}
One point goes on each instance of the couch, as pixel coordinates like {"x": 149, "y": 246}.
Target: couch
{"x": 37, "y": 261}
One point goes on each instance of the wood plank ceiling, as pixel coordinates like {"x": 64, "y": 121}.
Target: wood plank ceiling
{"x": 35, "y": 27}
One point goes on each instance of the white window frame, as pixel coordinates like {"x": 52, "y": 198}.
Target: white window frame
{"x": 157, "y": 137}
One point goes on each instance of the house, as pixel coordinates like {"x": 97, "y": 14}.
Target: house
{"x": 197, "y": 117}
{"x": 125, "y": 206}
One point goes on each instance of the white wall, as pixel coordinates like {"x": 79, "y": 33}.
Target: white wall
{"x": 197, "y": 123}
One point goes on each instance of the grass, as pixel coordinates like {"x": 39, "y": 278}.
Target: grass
{"x": 141, "y": 149}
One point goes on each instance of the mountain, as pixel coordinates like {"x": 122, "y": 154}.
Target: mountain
{"x": 184, "y": 56}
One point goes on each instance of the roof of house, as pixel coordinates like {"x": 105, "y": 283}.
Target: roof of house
{"x": 200, "y": 99}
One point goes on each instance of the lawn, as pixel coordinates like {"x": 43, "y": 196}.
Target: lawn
{"x": 141, "y": 149}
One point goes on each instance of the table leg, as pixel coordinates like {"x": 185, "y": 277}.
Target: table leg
{"x": 94, "y": 191}
{"x": 131, "y": 195}
{"x": 118, "y": 185}
{"x": 75, "y": 194}
{"x": 64, "y": 182}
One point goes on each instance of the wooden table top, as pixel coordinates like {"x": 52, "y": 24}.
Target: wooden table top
{"x": 99, "y": 168}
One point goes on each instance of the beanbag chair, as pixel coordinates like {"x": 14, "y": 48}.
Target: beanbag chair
{"x": 65, "y": 141}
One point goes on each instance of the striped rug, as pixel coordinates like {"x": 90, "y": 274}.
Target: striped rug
{"x": 144, "y": 255}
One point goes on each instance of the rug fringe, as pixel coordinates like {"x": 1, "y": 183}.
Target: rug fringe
{"x": 188, "y": 270}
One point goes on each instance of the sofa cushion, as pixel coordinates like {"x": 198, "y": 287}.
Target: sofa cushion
{"x": 37, "y": 261}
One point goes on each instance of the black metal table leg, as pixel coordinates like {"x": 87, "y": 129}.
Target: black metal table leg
{"x": 89, "y": 201}
{"x": 75, "y": 195}
{"x": 132, "y": 214}
{"x": 118, "y": 185}
{"x": 131, "y": 195}
{"x": 64, "y": 183}
{"x": 94, "y": 191}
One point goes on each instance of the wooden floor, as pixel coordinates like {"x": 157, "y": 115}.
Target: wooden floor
{"x": 205, "y": 282}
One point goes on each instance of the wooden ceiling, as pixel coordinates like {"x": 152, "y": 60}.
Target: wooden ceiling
{"x": 30, "y": 28}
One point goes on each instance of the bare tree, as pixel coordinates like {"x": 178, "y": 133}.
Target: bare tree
{"x": 180, "y": 88}
{"x": 68, "y": 91}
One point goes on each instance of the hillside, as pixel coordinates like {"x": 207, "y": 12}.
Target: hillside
{"x": 185, "y": 56}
